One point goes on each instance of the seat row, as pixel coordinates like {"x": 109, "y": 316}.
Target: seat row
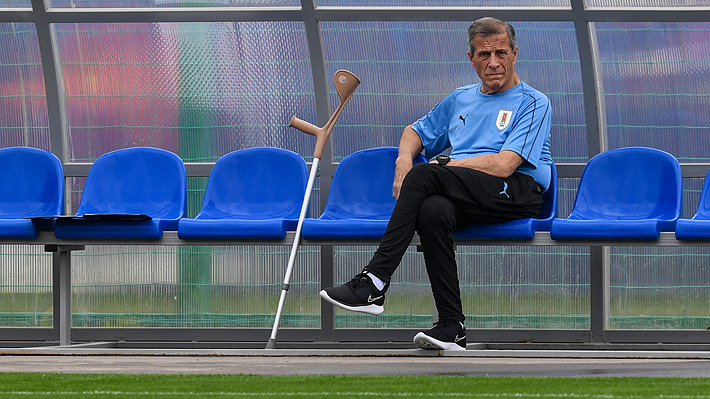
{"x": 256, "y": 194}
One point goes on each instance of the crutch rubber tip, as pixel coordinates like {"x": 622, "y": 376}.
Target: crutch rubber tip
{"x": 271, "y": 344}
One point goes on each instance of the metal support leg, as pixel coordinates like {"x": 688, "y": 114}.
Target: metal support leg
{"x": 61, "y": 283}
{"x": 327, "y": 278}
{"x": 599, "y": 281}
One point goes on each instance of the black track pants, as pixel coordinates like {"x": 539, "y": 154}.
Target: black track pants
{"x": 436, "y": 201}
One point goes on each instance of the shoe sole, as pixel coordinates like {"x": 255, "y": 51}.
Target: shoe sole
{"x": 426, "y": 342}
{"x": 369, "y": 309}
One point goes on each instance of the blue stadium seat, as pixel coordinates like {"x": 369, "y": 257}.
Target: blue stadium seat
{"x": 31, "y": 185}
{"x": 254, "y": 193}
{"x": 697, "y": 228}
{"x": 628, "y": 193}
{"x": 360, "y": 200}
{"x": 133, "y": 193}
{"x": 522, "y": 229}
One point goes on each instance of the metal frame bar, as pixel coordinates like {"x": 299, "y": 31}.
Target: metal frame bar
{"x": 599, "y": 281}
{"x": 324, "y": 13}
{"x": 17, "y": 15}
{"x": 61, "y": 292}
{"x": 203, "y": 169}
{"x": 54, "y": 85}
{"x": 203, "y": 14}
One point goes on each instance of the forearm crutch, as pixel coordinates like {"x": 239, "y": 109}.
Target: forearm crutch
{"x": 345, "y": 84}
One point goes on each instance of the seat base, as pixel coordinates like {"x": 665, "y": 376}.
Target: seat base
{"x": 353, "y": 229}
{"x": 692, "y": 229}
{"x": 109, "y": 229}
{"x": 269, "y": 229}
{"x": 574, "y": 229}
{"x": 19, "y": 228}
{"x": 523, "y": 229}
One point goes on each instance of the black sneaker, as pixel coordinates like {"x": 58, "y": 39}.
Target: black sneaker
{"x": 446, "y": 335}
{"x": 357, "y": 295}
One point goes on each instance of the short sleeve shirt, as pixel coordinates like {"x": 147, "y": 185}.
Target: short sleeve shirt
{"x": 473, "y": 123}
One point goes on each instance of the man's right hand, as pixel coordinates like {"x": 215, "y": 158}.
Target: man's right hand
{"x": 403, "y": 166}
{"x": 410, "y": 145}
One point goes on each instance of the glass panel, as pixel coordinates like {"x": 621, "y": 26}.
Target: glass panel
{"x": 25, "y": 286}
{"x": 501, "y": 287}
{"x": 692, "y": 187}
{"x": 200, "y": 90}
{"x": 447, "y": 3}
{"x": 408, "y": 67}
{"x": 566, "y": 193}
{"x": 647, "y": 3}
{"x": 23, "y": 105}
{"x": 525, "y": 287}
{"x": 15, "y": 3}
{"x": 660, "y": 288}
{"x": 171, "y": 3}
{"x": 192, "y": 286}
{"x": 653, "y": 75}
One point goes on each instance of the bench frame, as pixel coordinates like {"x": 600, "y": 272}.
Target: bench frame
{"x": 598, "y": 334}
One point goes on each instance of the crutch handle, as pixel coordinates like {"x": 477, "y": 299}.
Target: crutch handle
{"x": 304, "y": 126}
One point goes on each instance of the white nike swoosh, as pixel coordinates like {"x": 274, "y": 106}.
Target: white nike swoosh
{"x": 457, "y": 338}
{"x": 371, "y": 299}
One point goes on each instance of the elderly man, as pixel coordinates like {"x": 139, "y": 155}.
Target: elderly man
{"x": 500, "y": 165}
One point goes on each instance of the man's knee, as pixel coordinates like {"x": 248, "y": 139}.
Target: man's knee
{"x": 436, "y": 216}
{"x": 419, "y": 173}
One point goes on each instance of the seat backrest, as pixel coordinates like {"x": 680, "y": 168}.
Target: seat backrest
{"x": 138, "y": 180}
{"x": 31, "y": 183}
{"x": 260, "y": 183}
{"x": 630, "y": 184}
{"x": 549, "y": 205}
{"x": 703, "y": 212}
{"x": 362, "y": 185}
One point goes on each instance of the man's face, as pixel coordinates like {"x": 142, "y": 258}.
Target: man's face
{"x": 494, "y": 61}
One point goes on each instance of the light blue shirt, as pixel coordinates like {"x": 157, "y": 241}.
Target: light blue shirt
{"x": 473, "y": 123}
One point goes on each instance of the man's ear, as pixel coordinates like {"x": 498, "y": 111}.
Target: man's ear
{"x": 470, "y": 58}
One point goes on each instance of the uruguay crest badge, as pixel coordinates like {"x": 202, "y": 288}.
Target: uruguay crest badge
{"x": 504, "y": 117}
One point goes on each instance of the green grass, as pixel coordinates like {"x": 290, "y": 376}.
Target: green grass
{"x": 38, "y": 385}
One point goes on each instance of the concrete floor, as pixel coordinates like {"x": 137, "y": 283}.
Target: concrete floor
{"x": 354, "y": 362}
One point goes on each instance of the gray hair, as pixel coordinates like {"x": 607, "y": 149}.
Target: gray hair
{"x": 488, "y": 26}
